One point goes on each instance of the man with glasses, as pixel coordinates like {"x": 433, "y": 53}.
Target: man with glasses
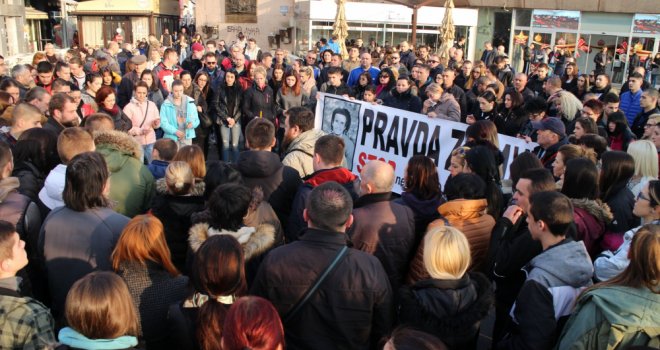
{"x": 211, "y": 68}
{"x": 396, "y": 64}
{"x": 311, "y": 60}
{"x": 434, "y": 63}
{"x": 648, "y": 102}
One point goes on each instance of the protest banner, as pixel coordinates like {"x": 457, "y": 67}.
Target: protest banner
{"x": 394, "y": 135}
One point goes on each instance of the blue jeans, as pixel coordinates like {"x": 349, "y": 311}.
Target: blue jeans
{"x": 148, "y": 149}
{"x": 230, "y": 139}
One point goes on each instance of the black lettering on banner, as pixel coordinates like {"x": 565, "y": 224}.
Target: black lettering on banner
{"x": 421, "y": 139}
{"x": 434, "y": 145}
{"x": 506, "y": 152}
{"x": 406, "y": 136}
{"x": 379, "y": 130}
{"x": 459, "y": 135}
{"x": 367, "y": 124}
{"x": 393, "y": 135}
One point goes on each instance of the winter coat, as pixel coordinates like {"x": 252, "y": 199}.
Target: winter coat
{"x": 26, "y": 322}
{"x": 31, "y": 179}
{"x": 74, "y": 244}
{"x": 341, "y": 90}
{"x": 452, "y": 310}
{"x": 175, "y": 214}
{"x": 511, "y": 122}
{"x": 131, "y": 183}
{"x": 621, "y": 204}
{"x": 255, "y": 241}
{"x": 166, "y": 76}
{"x": 153, "y": 290}
{"x": 156, "y": 96}
{"x": 591, "y": 217}
{"x": 341, "y": 175}
{"x": 461, "y": 97}
{"x": 351, "y": 310}
{"x": 547, "y": 156}
{"x": 468, "y": 216}
{"x": 278, "y": 182}
{"x": 284, "y": 102}
{"x": 406, "y": 101}
{"x": 126, "y": 88}
{"x": 424, "y": 211}
{"x": 120, "y": 119}
{"x": 259, "y": 103}
{"x": 447, "y": 108}
{"x": 300, "y": 153}
{"x": 142, "y": 115}
{"x": 613, "y": 317}
{"x": 168, "y": 118}
{"x": 554, "y": 280}
{"x": 386, "y": 230}
{"x": 629, "y": 105}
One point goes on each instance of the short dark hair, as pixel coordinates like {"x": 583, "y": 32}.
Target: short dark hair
{"x": 94, "y": 121}
{"x": 595, "y": 142}
{"x": 334, "y": 70}
{"x": 166, "y": 148}
{"x": 535, "y": 105}
{"x": 86, "y": 176}
{"x": 260, "y": 133}
{"x": 342, "y": 111}
{"x": 59, "y": 82}
{"x": 542, "y": 180}
{"x": 44, "y": 67}
{"x": 611, "y": 97}
{"x": 228, "y": 204}
{"x": 554, "y": 209}
{"x": 58, "y": 101}
{"x": 329, "y": 206}
{"x": 330, "y": 148}
{"x": 465, "y": 186}
{"x": 59, "y": 65}
{"x": 636, "y": 75}
{"x": 142, "y": 84}
{"x": 523, "y": 162}
{"x": 7, "y": 230}
{"x": 35, "y": 93}
{"x": 301, "y": 117}
{"x": 177, "y": 82}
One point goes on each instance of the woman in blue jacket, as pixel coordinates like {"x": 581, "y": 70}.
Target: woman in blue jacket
{"x": 178, "y": 116}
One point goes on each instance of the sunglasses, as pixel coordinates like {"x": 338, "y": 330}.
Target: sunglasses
{"x": 433, "y": 61}
{"x": 641, "y": 196}
{"x": 211, "y": 63}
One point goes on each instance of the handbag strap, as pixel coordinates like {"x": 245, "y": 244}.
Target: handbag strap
{"x": 145, "y": 115}
{"x": 289, "y": 315}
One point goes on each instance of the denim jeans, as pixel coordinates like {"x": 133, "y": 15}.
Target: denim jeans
{"x": 228, "y": 134}
{"x": 148, "y": 149}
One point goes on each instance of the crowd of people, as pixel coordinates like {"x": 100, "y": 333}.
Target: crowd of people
{"x": 119, "y": 231}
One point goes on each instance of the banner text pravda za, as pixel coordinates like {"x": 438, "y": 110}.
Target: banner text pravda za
{"x": 394, "y": 136}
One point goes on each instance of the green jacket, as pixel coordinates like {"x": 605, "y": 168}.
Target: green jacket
{"x": 24, "y": 322}
{"x": 613, "y": 318}
{"x": 131, "y": 183}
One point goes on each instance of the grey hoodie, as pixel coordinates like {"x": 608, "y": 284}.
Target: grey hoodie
{"x": 565, "y": 264}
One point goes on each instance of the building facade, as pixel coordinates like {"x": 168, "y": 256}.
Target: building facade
{"x": 12, "y": 20}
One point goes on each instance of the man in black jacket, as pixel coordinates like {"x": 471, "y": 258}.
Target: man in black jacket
{"x": 352, "y": 309}
{"x": 551, "y": 134}
{"x": 261, "y": 167}
{"x": 649, "y": 104}
{"x": 512, "y": 247}
{"x": 382, "y": 227}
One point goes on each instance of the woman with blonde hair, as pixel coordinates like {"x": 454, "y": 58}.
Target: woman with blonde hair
{"x": 452, "y": 302}
{"x": 569, "y": 108}
{"x": 100, "y": 314}
{"x": 622, "y": 312}
{"x": 142, "y": 259}
{"x": 177, "y": 198}
{"x": 646, "y": 164}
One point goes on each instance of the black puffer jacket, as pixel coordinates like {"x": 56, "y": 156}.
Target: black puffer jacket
{"x": 406, "y": 101}
{"x": 279, "y": 183}
{"x": 452, "y": 310}
{"x": 30, "y": 178}
{"x": 258, "y": 103}
{"x": 174, "y": 212}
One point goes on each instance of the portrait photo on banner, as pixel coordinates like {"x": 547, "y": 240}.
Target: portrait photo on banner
{"x": 341, "y": 118}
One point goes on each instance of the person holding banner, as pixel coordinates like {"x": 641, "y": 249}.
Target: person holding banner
{"x": 402, "y": 98}
{"x": 441, "y": 105}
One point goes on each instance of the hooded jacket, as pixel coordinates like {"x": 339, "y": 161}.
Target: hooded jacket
{"x": 591, "y": 217}
{"x": 259, "y": 103}
{"x": 554, "y": 280}
{"x": 300, "y": 153}
{"x": 468, "y": 216}
{"x": 447, "y": 108}
{"x": 613, "y": 317}
{"x": 424, "y": 211}
{"x": 452, "y": 310}
{"x": 175, "y": 214}
{"x": 131, "y": 183}
{"x": 278, "y": 182}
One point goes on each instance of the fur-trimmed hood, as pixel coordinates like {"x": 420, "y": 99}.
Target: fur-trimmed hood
{"x": 118, "y": 141}
{"x": 198, "y": 190}
{"x": 254, "y": 240}
{"x": 601, "y": 211}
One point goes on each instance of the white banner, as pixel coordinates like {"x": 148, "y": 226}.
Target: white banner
{"x": 394, "y": 135}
